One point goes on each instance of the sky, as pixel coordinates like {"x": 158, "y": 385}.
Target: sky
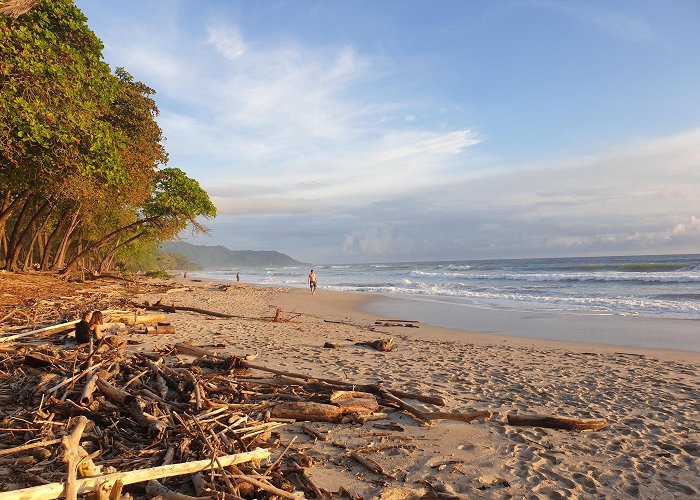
{"x": 341, "y": 131}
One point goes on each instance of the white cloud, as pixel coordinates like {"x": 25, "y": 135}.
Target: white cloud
{"x": 227, "y": 41}
{"x": 373, "y": 241}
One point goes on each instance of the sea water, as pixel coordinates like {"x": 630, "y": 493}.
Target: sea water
{"x": 656, "y": 286}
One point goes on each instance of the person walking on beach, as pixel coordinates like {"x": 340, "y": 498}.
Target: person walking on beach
{"x": 312, "y": 282}
{"x": 238, "y": 276}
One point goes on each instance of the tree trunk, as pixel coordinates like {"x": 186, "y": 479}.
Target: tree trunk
{"x": 12, "y": 240}
{"x": 8, "y": 207}
{"x": 106, "y": 239}
{"x": 24, "y": 236}
{"x": 46, "y": 252}
{"x": 117, "y": 247}
{"x": 63, "y": 247}
{"x": 37, "y": 232}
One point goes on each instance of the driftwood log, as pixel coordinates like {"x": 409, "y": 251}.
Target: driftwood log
{"x": 173, "y": 309}
{"x": 557, "y": 422}
{"x": 48, "y": 330}
{"x": 381, "y": 345}
{"x": 132, "y": 319}
{"x": 88, "y": 484}
{"x": 306, "y": 410}
{"x": 159, "y": 329}
{"x": 134, "y": 406}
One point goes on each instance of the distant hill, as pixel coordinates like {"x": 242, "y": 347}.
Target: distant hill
{"x": 212, "y": 257}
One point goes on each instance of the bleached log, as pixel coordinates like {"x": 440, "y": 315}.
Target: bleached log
{"x": 45, "y": 330}
{"x": 72, "y": 457}
{"x": 132, "y": 319}
{"x": 557, "y": 422}
{"x": 88, "y": 389}
{"x": 355, "y": 402}
{"x": 49, "y": 329}
{"x": 85, "y": 485}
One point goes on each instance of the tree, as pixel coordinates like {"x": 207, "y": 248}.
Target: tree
{"x": 80, "y": 150}
{"x": 176, "y": 202}
{"x": 54, "y": 88}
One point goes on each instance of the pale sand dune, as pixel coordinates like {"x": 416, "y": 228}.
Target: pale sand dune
{"x": 651, "y": 399}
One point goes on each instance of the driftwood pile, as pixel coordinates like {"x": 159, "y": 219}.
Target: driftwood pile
{"x": 24, "y": 307}
{"x": 77, "y": 420}
{"x": 139, "y": 413}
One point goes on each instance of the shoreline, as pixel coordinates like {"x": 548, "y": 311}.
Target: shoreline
{"x": 369, "y": 307}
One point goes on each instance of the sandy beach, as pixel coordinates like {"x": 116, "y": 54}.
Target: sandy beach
{"x": 649, "y": 397}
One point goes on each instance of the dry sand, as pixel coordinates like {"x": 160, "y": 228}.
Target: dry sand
{"x": 651, "y": 399}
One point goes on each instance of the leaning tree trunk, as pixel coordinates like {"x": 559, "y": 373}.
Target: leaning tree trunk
{"x": 109, "y": 254}
{"x": 16, "y": 231}
{"x": 106, "y": 239}
{"x": 8, "y": 207}
{"x": 47, "y": 244}
{"x": 37, "y": 232}
{"x": 65, "y": 241}
{"x": 24, "y": 236}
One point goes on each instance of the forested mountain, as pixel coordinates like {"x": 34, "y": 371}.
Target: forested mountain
{"x": 83, "y": 181}
{"x": 211, "y": 257}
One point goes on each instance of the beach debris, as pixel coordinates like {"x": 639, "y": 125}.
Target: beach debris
{"x": 172, "y": 309}
{"x": 146, "y": 416}
{"x": 331, "y": 345}
{"x": 406, "y": 323}
{"x": 558, "y": 422}
{"x": 381, "y": 345}
{"x": 315, "y": 432}
{"x": 48, "y": 330}
{"x": 130, "y": 318}
{"x": 159, "y": 329}
{"x": 370, "y": 464}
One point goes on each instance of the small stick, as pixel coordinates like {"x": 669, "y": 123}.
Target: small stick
{"x": 370, "y": 464}
{"x": 155, "y": 489}
{"x": 268, "y": 487}
{"x": 315, "y": 433}
{"x": 24, "y": 447}
{"x": 269, "y": 469}
{"x": 74, "y": 377}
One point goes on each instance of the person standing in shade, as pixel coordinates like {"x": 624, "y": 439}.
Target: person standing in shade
{"x": 312, "y": 282}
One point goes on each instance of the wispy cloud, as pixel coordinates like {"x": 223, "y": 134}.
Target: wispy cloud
{"x": 227, "y": 41}
{"x": 290, "y": 120}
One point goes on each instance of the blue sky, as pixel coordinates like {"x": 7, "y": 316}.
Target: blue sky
{"x": 365, "y": 131}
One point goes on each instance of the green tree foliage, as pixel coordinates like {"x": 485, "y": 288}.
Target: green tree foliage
{"x": 80, "y": 150}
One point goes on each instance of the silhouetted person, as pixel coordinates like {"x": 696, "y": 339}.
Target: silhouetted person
{"x": 82, "y": 328}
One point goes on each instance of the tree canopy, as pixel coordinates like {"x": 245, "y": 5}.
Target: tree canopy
{"x": 82, "y": 172}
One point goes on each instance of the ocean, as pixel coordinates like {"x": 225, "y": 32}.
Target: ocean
{"x": 657, "y": 286}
